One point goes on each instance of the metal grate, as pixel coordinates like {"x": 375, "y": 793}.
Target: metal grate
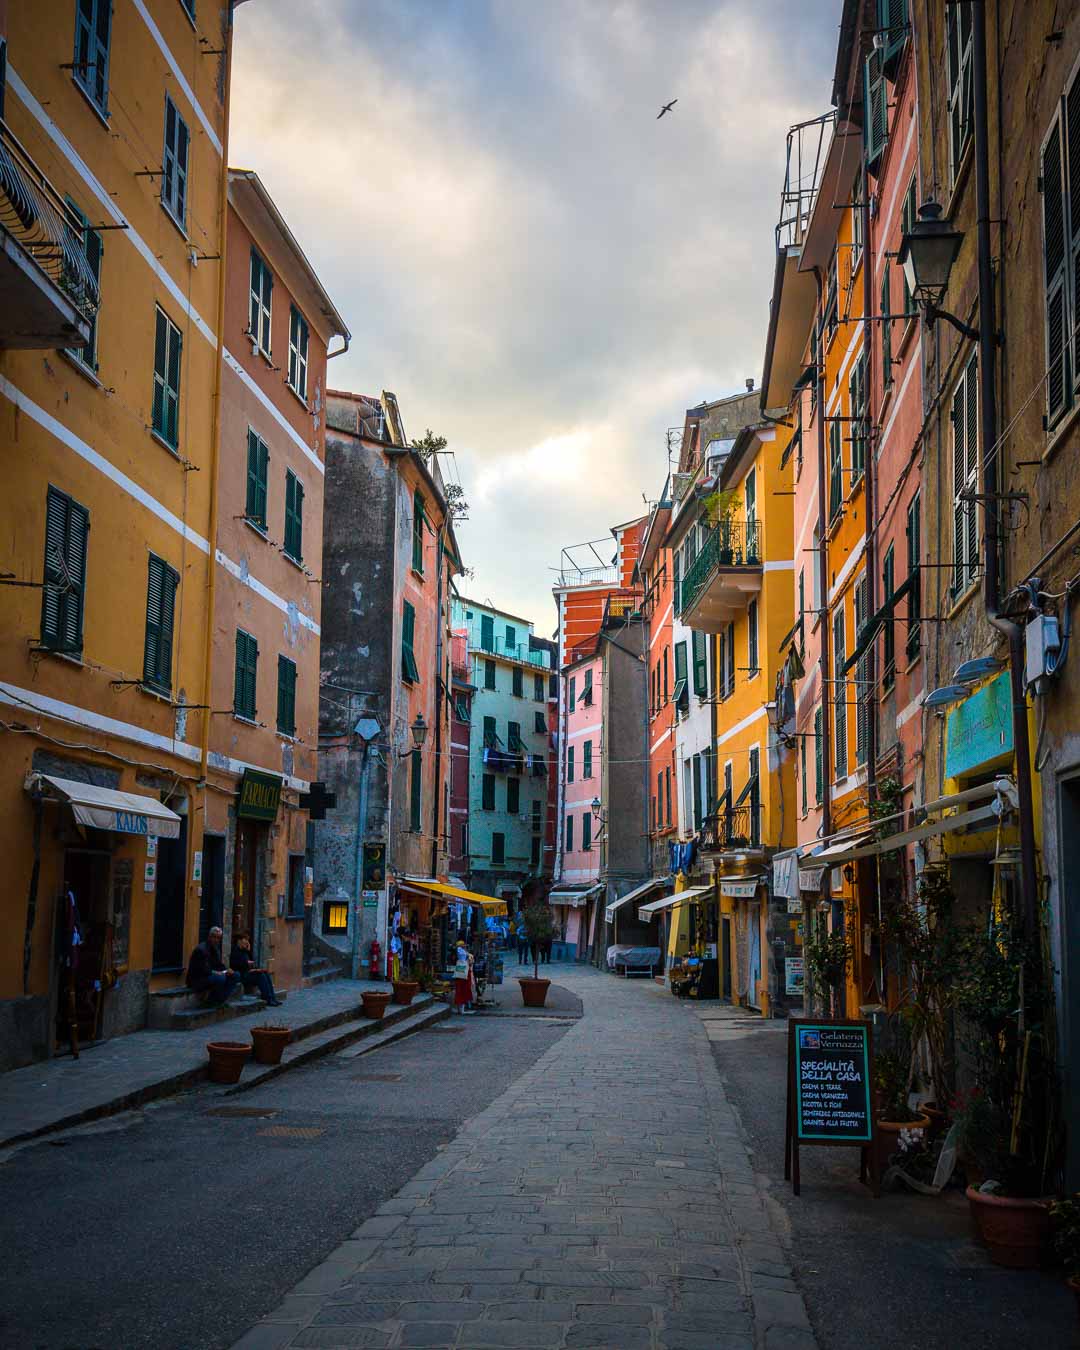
{"x": 376, "y": 1078}
{"x": 293, "y": 1131}
{"x": 243, "y": 1112}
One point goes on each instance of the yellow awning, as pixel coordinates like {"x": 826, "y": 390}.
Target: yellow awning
{"x": 489, "y": 904}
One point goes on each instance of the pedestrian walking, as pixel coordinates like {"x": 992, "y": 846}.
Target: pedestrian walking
{"x": 463, "y": 979}
{"x": 522, "y": 942}
{"x": 545, "y": 951}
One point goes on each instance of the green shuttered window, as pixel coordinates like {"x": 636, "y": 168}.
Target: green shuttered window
{"x": 498, "y": 848}
{"x": 298, "y": 352}
{"x": 487, "y": 792}
{"x": 518, "y": 682}
{"x": 260, "y": 303}
{"x": 245, "y": 675}
{"x": 88, "y": 243}
{"x": 93, "y": 24}
{"x": 258, "y": 460}
{"x": 63, "y": 596}
{"x": 700, "y": 649}
{"x": 174, "y": 164}
{"x": 418, "y": 533}
{"x": 586, "y": 760}
{"x": 679, "y": 694}
{"x": 160, "y": 612}
{"x": 409, "y": 671}
{"x": 416, "y": 790}
{"x": 165, "y": 414}
{"x": 286, "y": 696}
{"x": 294, "y": 517}
{"x": 513, "y": 796}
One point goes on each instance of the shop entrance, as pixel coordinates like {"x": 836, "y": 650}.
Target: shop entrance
{"x": 83, "y": 946}
{"x": 1069, "y": 906}
{"x": 212, "y": 905}
{"x": 245, "y": 907}
{"x": 170, "y": 901}
{"x": 753, "y": 954}
{"x": 725, "y": 957}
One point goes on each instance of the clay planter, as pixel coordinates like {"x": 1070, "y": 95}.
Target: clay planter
{"x": 405, "y": 991}
{"x": 887, "y": 1137}
{"x": 374, "y": 1002}
{"x": 227, "y": 1060}
{"x": 939, "y": 1121}
{"x": 533, "y": 992}
{"x": 269, "y": 1042}
{"x": 1016, "y": 1232}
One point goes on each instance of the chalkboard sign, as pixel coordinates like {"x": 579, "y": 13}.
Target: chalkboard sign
{"x": 830, "y": 1101}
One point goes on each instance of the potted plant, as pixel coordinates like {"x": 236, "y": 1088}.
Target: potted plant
{"x": 405, "y": 991}
{"x": 1065, "y": 1217}
{"x": 374, "y": 1002}
{"x": 227, "y": 1060}
{"x": 268, "y": 1042}
{"x": 897, "y": 1128}
{"x": 827, "y": 957}
{"x": 539, "y": 928}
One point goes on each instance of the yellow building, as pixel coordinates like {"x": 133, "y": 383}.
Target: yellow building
{"x": 114, "y": 142}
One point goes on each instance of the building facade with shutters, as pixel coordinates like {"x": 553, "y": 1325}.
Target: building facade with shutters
{"x": 109, "y": 370}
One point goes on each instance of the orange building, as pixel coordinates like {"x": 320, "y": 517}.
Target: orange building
{"x": 653, "y": 574}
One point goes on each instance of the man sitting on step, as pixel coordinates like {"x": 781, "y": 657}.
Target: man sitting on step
{"x": 242, "y": 961}
{"x": 207, "y": 973}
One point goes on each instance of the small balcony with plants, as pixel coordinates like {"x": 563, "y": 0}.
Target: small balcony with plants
{"x": 724, "y": 575}
{"x": 733, "y": 830}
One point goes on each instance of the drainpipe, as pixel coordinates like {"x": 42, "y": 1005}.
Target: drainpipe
{"x": 819, "y": 561}
{"x": 988, "y": 354}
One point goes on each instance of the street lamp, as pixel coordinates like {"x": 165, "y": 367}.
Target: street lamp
{"x": 926, "y": 254}
{"x": 419, "y": 731}
{"x": 948, "y": 693}
{"x": 596, "y": 808}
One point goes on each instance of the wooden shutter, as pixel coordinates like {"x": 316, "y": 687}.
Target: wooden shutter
{"x": 862, "y": 672}
{"x": 489, "y": 733}
{"x": 875, "y": 111}
{"x": 518, "y": 683}
{"x": 513, "y": 737}
{"x": 416, "y": 789}
{"x": 487, "y": 792}
{"x": 840, "y": 692}
{"x": 286, "y": 707}
{"x": 888, "y": 585}
{"x": 892, "y": 22}
{"x": 1072, "y": 178}
{"x": 160, "y": 609}
{"x": 418, "y": 533}
{"x": 246, "y": 673}
{"x": 971, "y": 438}
{"x": 174, "y": 162}
{"x": 586, "y": 830}
{"x": 294, "y": 516}
{"x": 257, "y": 461}
{"x": 886, "y": 324}
{"x": 513, "y": 795}
{"x": 67, "y": 524}
{"x": 701, "y": 663}
{"x": 1058, "y": 391}
{"x": 836, "y": 481}
{"x": 409, "y": 669}
{"x": 569, "y": 834}
{"x": 914, "y": 544}
{"x": 586, "y": 760}
{"x": 498, "y": 847}
{"x": 569, "y": 763}
{"x": 819, "y": 756}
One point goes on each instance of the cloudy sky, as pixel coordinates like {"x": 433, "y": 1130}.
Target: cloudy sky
{"x": 543, "y": 272}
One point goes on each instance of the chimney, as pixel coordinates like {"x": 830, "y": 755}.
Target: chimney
{"x": 750, "y": 385}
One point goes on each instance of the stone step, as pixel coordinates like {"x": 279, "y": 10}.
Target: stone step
{"x": 181, "y": 1009}
{"x": 321, "y": 969}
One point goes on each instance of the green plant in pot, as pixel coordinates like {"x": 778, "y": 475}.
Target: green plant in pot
{"x": 828, "y": 956}
{"x": 539, "y": 928}
{"x": 720, "y": 508}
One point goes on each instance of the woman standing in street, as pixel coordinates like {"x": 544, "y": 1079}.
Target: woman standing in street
{"x": 463, "y": 979}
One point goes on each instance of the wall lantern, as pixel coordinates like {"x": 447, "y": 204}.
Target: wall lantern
{"x": 419, "y": 731}
{"x": 926, "y": 255}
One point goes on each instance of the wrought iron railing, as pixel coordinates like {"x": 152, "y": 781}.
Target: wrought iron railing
{"x": 511, "y": 651}
{"x": 51, "y": 232}
{"x": 732, "y": 543}
{"x": 588, "y": 576}
{"x": 732, "y": 828}
{"x": 622, "y": 605}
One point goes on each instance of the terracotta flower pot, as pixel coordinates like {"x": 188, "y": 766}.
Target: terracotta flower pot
{"x": 1016, "y": 1231}
{"x": 887, "y": 1137}
{"x": 405, "y": 991}
{"x": 939, "y": 1121}
{"x": 268, "y": 1043}
{"x": 374, "y": 1002}
{"x": 227, "y": 1060}
{"x": 533, "y": 992}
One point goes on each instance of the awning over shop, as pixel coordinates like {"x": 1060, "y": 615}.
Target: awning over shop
{"x": 741, "y": 887}
{"x": 493, "y": 907}
{"x": 786, "y": 874}
{"x": 650, "y": 910}
{"x": 121, "y": 812}
{"x": 574, "y": 896}
{"x": 653, "y": 884}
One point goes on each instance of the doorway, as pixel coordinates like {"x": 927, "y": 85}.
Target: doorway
{"x": 83, "y": 946}
{"x": 170, "y": 901}
{"x": 725, "y": 958}
{"x": 1069, "y": 907}
{"x": 212, "y": 903}
{"x": 245, "y": 890}
{"x": 753, "y": 954}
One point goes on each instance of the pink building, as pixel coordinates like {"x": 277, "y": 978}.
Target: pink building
{"x": 579, "y": 876}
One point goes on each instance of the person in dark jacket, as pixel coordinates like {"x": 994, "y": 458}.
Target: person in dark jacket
{"x": 254, "y": 977}
{"x": 207, "y": 972}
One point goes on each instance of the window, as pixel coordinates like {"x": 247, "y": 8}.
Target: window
{"x": 573, "y": 692}
{"x": 537, "y": 820}
{"x": 679, "y": 694}
{"x": 802, "y": 772}
{"x": 666, "y": 682}
{"x": 487, "y": 792}
{"x": 858, "y": 196}
{"x": 418, "y": 518}
{"x": 165, "y": 416}
{"x": 538, "y": 689}
{"x": 886, "y": 324}
{"x": 965, "y": 438}
{"x": 698, "y": 807}
{"x": 1060, "y": 183}
{"x": 286, "y": 696}
{"x": 569, "y": 763}
{"x": 819, "y": 572}
{"x": 700, "y": 653}
{"x": 416, "y": 790}
{"x": 335, "y": 916}
{"x": 487, "y": 633}
{"x": 534, "y": 852}
{"x": 569, "y": 845}
{"x": 298, "y": 352}
{"x": 461, "y": 708}
{"x": 819, "y": 756}
{"x": 728, "y": 676}
{"x": 755, "y": 796}
{"x": 836, "y": 471}
{"x": 658, "y": 800}
{"x": 863, "y": 692}
{"x": 586, "y": 830}
{"x": 92, "y": 34}
{"x": 489, "y": 674}
{"x": 63, "y": 595}
{"x": 189, "y": 6}
{"x": 831, "y": 289}
{"x": 513, "y": 738}
{"x": 511, "y": 638}
{"x": 513, "y": 796}
{"x": 800, "y": 618}
{"x": 257, "y": 463}
{"x": 491, "y": 739}
{"x": 245, "y": 674}
{"x": 586, "y": 691}
{"x": 958, "y": 27}
{"x": 876, "y": 106}
{"x": 667, "y": 795}
{"x": 908, "y": 216}
{"x": 174, "y": 164}
{"x": 586, "y": 760}
{"x": 857, "y": 412}
{"x": 87, "y": 242}
{"x": 295, "y": 887}
{"x": 888, "y": 636}
{"x": 540, "y": 724}
{"x": 914, "y": 555}
{"x": 840, "y": 694}
{"x": 409, "y": 672}
{"x": 160, "y": 612}
{"x": 518, "y": 682}
{"x": 753, "y": 660}
{"x": 262, "y": 290}
{"x": 294, "y": 517}
{"x": 676, "y": 576}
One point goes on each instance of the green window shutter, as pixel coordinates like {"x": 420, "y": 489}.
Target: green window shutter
{"x": 487, "y": 789}
{"x": 840, "y": 694}
{"x": 914, "y": 548}
{"x": 416, "y": 790}
{"x": 63, "y": 595}
{"x": 498, "y": 847}
{"x": 490, "y": 737}
{"x": 162, "y": 582}
{"x": 298, "y": 352}
{"x": 409, "y": 669}
{"x": 540, "y": 724}
{"x": 257, "y": 463}
{"x": 93, "y": 22}
{"x": 836, "y": 470}
{"x": 586, "y": 760}
{"x": 489, "y": 674}
{"x": 418, "y": 533}
{"x": 586, "y": 830}
{"x": 752, "y": 637}
{"x": 701, "y": 663}
{"x": 286, "y": 696}
{"x": 165, "y": 412}
{"x": 245, "y": 675}
{"x": 294, "y": 516}
{"x": 680, "y": 661}
{"x": 569, "y": 763}
{"x": 886, "y": 323}
{"x": 513, "y": 795}
{"x": 892, "y": 22}
{"x": 573, "y": 692}
{"x": 513, "y": 737}
{"x": 819, "y": 757}
{"x": 1058, "y": 379}
{"x": 586, "y": 692}
{"x": 802, "y": 772}
{"x": 888, "y": 585}
{"x": 569, "y": 834}
{"x": 487, "y": 633}
{"x": 261, "y": 303}
{"x": 875, "y": 111}
{"x": 174, "y": 164}
{"x": 857, "y": 412}
{"x": 518, "y": 683}
{"x": 538, "y": 688}
{"x": 534, "y": 852}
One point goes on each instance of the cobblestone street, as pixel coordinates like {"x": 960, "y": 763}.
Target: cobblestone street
{"x": 605, "y": 1199}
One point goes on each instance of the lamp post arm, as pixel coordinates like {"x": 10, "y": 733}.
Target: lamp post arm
{"x": 933, "y": 314}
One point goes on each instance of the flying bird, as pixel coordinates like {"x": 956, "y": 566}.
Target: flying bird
{"x": 666, "y": 108}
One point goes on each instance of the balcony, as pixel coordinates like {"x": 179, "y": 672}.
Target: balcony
{"x": 622, "y": 606}
{"x": 734, "y": 829}
{"x": 724, "y": 576}
{"x": 481, "y": 645}
{"x": 48, "y": 291}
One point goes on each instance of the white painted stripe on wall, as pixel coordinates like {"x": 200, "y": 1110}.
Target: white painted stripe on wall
{"x": 254, "y": 584}
{"x": 275, "y": 412}
{"x": 741, "y": 726}
{"x": 178, "y": 74}
{"x": 657, "y": 744}
{"x": 780, "y": 565}
{"x": 913, "y": 708}
{"x": 660, "y": 629}
{"x": 845, "y": 572}
{"x": 585, "y": 731}
{"x": 107, "y": 204}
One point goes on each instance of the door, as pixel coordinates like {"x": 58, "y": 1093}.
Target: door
{"x": 170, "y": 900}
{"x": 1069, "y": 908}
{"x": 83, "y": 946}
{"x": 244, "y": 898}
{"x": 753, "y": 954}
{"x": 725, "y": 957}
{"x": 212, "y": 905}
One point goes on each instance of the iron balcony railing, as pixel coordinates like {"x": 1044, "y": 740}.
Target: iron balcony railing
{"x": 622, "y": 605}
{"x": 50, "y": 231}
{"x": 732, "y": 828}
{"x": 588, "y": 576}
{"x": 732, "y": 543}
{"x": 510, "y": 651}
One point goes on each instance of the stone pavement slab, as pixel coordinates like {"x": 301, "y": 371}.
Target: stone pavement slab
{"x": 605, "y": 1199}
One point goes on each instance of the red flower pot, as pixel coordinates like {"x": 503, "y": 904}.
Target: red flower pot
{"x": 227, "y": 1060}
{"x": 405, "y": 991}
{"x": 374, "y": 1002}
{"x": 269, "y": 1043}
{"x": 533, "y": 992}
{"x": 1016, "y": 1231}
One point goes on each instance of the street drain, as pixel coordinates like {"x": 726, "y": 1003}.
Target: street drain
{"x": 293, "y": 1131}
{"x": 243, "y": 1112}
{"x": 376, "y": 1078}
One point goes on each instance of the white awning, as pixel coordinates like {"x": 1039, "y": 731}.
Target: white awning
{"x": 650, "y": 885}
{"x": 786, "y": 874}
{"x": 574, "y": 898}
{"x": 650, "y": 910}
{"x": 121, "y": 812}
{"x": 741, "y": 887}
{"x": 840, "y": 851}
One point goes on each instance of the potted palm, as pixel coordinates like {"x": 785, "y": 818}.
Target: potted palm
{"x": 539, "y": 928}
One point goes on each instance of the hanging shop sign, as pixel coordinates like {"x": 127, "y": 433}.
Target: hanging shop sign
{"x": 260, "y": 795}
{"x": 979, "y": 729}
{"x": 830, "y": 1073}
{"x": 741, "y": 890}
{"x": 810, "y": 878}
{"x": 786, "y": 875}
{"x": 374, "y": 867}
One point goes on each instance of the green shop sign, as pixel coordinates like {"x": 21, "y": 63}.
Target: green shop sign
{"x": 260, "y": 795}
{"x": 980, "y": 729}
